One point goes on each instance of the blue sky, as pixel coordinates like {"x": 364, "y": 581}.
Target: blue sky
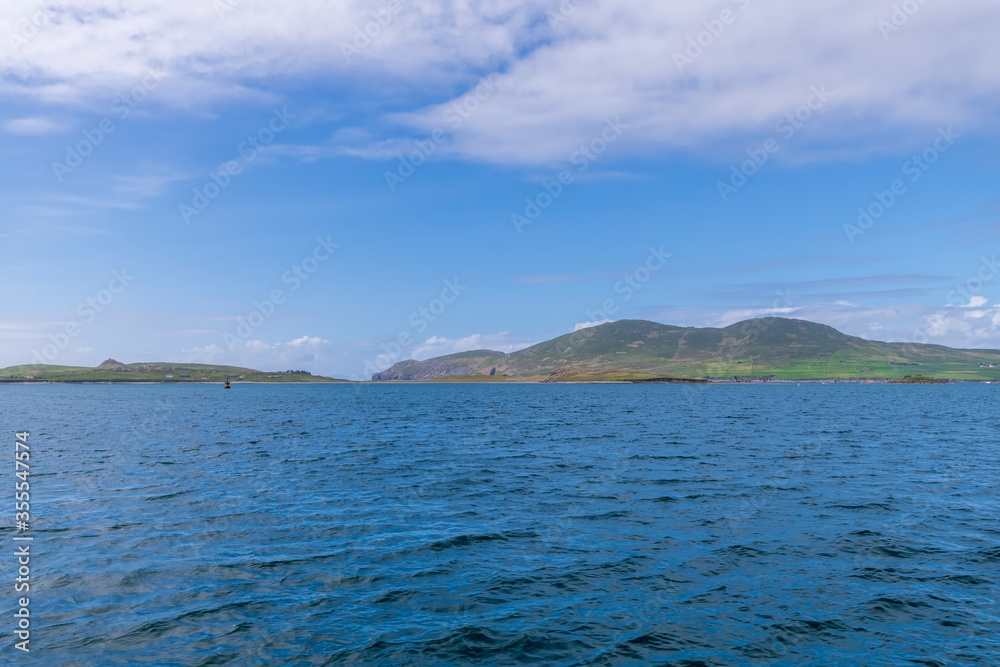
{"x": 239, "y": 183}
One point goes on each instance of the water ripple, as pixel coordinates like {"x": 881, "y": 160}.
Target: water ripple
{"x": 512, "y": 525}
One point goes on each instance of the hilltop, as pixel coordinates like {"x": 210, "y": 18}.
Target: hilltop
{"x": 167, "y": 372}
{"x": 758, "y": 349}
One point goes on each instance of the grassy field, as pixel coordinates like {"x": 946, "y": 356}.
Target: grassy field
{"x": 845, "y": 366}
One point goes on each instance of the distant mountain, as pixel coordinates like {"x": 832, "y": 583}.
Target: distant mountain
{"x": 171, "y": 372}
{"x": 770, "y": 347}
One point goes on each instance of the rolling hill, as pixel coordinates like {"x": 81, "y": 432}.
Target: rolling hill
{"x": 169, "y": 372}
{"x": 765, "y": 348}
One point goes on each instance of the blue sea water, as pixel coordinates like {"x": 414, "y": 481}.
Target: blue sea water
{"x": 508, "y": 525}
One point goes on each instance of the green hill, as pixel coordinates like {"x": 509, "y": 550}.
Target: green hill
{"x": 168, "y": 372}
{"x": 766, "y": 348}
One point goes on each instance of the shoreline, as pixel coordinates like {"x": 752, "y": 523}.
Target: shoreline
{"x": 506, "y": 382}
{"x": 127, "y": 382}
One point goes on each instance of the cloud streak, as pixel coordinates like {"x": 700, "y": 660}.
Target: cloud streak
{"x": 261, "y": 355}
{"x": 436, "y": 346}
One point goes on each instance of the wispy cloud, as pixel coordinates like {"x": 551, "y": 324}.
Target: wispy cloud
{"x": 437, "y": 346}
{"x": 973, "y": 325}
{"x": 261, "y": 355}
{"x": 878, "y": 286}
{"x": 587, "y": 325}
{"x": 32, "y": 126}
{"x": 149, "y": 183}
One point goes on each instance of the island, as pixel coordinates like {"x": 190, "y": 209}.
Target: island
{"x": 769, "y": 349}
{"x": 111, "y": 371}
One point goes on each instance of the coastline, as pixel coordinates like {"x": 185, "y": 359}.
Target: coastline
{"x": 652, "y": 381}
{"x": 199, "y": 382}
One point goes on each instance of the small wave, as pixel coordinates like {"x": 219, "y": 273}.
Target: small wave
{"x": 741, "y": 551}
{"x": 485, "y": 646}
{"x": 653, "y": 457}
{"x": 645, "y": 647}
{"x": 864, "y": 506}
{"x": 619, "y": 514}
{"x": 167, "y": 496}
{"x": 818, "y": 629}
{"x": 886, "y": 575}
{"x": 394, "y": 596}
{"x": 285, "y": 562}
{"x": 466, "y": 540}
{"x": 963, "y": 579}
{"x": 988, "y": 555}
{"x": 898, "y": 607}
{"x": 123, "y": 526}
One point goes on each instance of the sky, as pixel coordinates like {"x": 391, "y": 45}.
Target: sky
{"x": 337, "y": 186}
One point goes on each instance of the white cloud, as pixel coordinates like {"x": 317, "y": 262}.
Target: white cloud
{"x": 31, "y": 126}
{"x": 976, "y": 302}
{"x": 964, "y": 328}
{"x": 561, "y": 80}
{"x": 436, "y": 346}
{"x": 615, "y": 58}
{"x": 211, "y": 54}
{"x": 294, "y": 355}
{"x": 587, "y": 325}
{"x": 739, "y": 314}
{"x": 146, "y": 185}
{"x": 958, "y": 327}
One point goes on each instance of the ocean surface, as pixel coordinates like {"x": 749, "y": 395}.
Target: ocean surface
{"x": 508, "y": 525}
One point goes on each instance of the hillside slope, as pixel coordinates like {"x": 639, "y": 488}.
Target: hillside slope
{"x": 766, "y": 347}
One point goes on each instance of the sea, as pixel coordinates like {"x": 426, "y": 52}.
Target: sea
{"x": 505, "y": 524}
